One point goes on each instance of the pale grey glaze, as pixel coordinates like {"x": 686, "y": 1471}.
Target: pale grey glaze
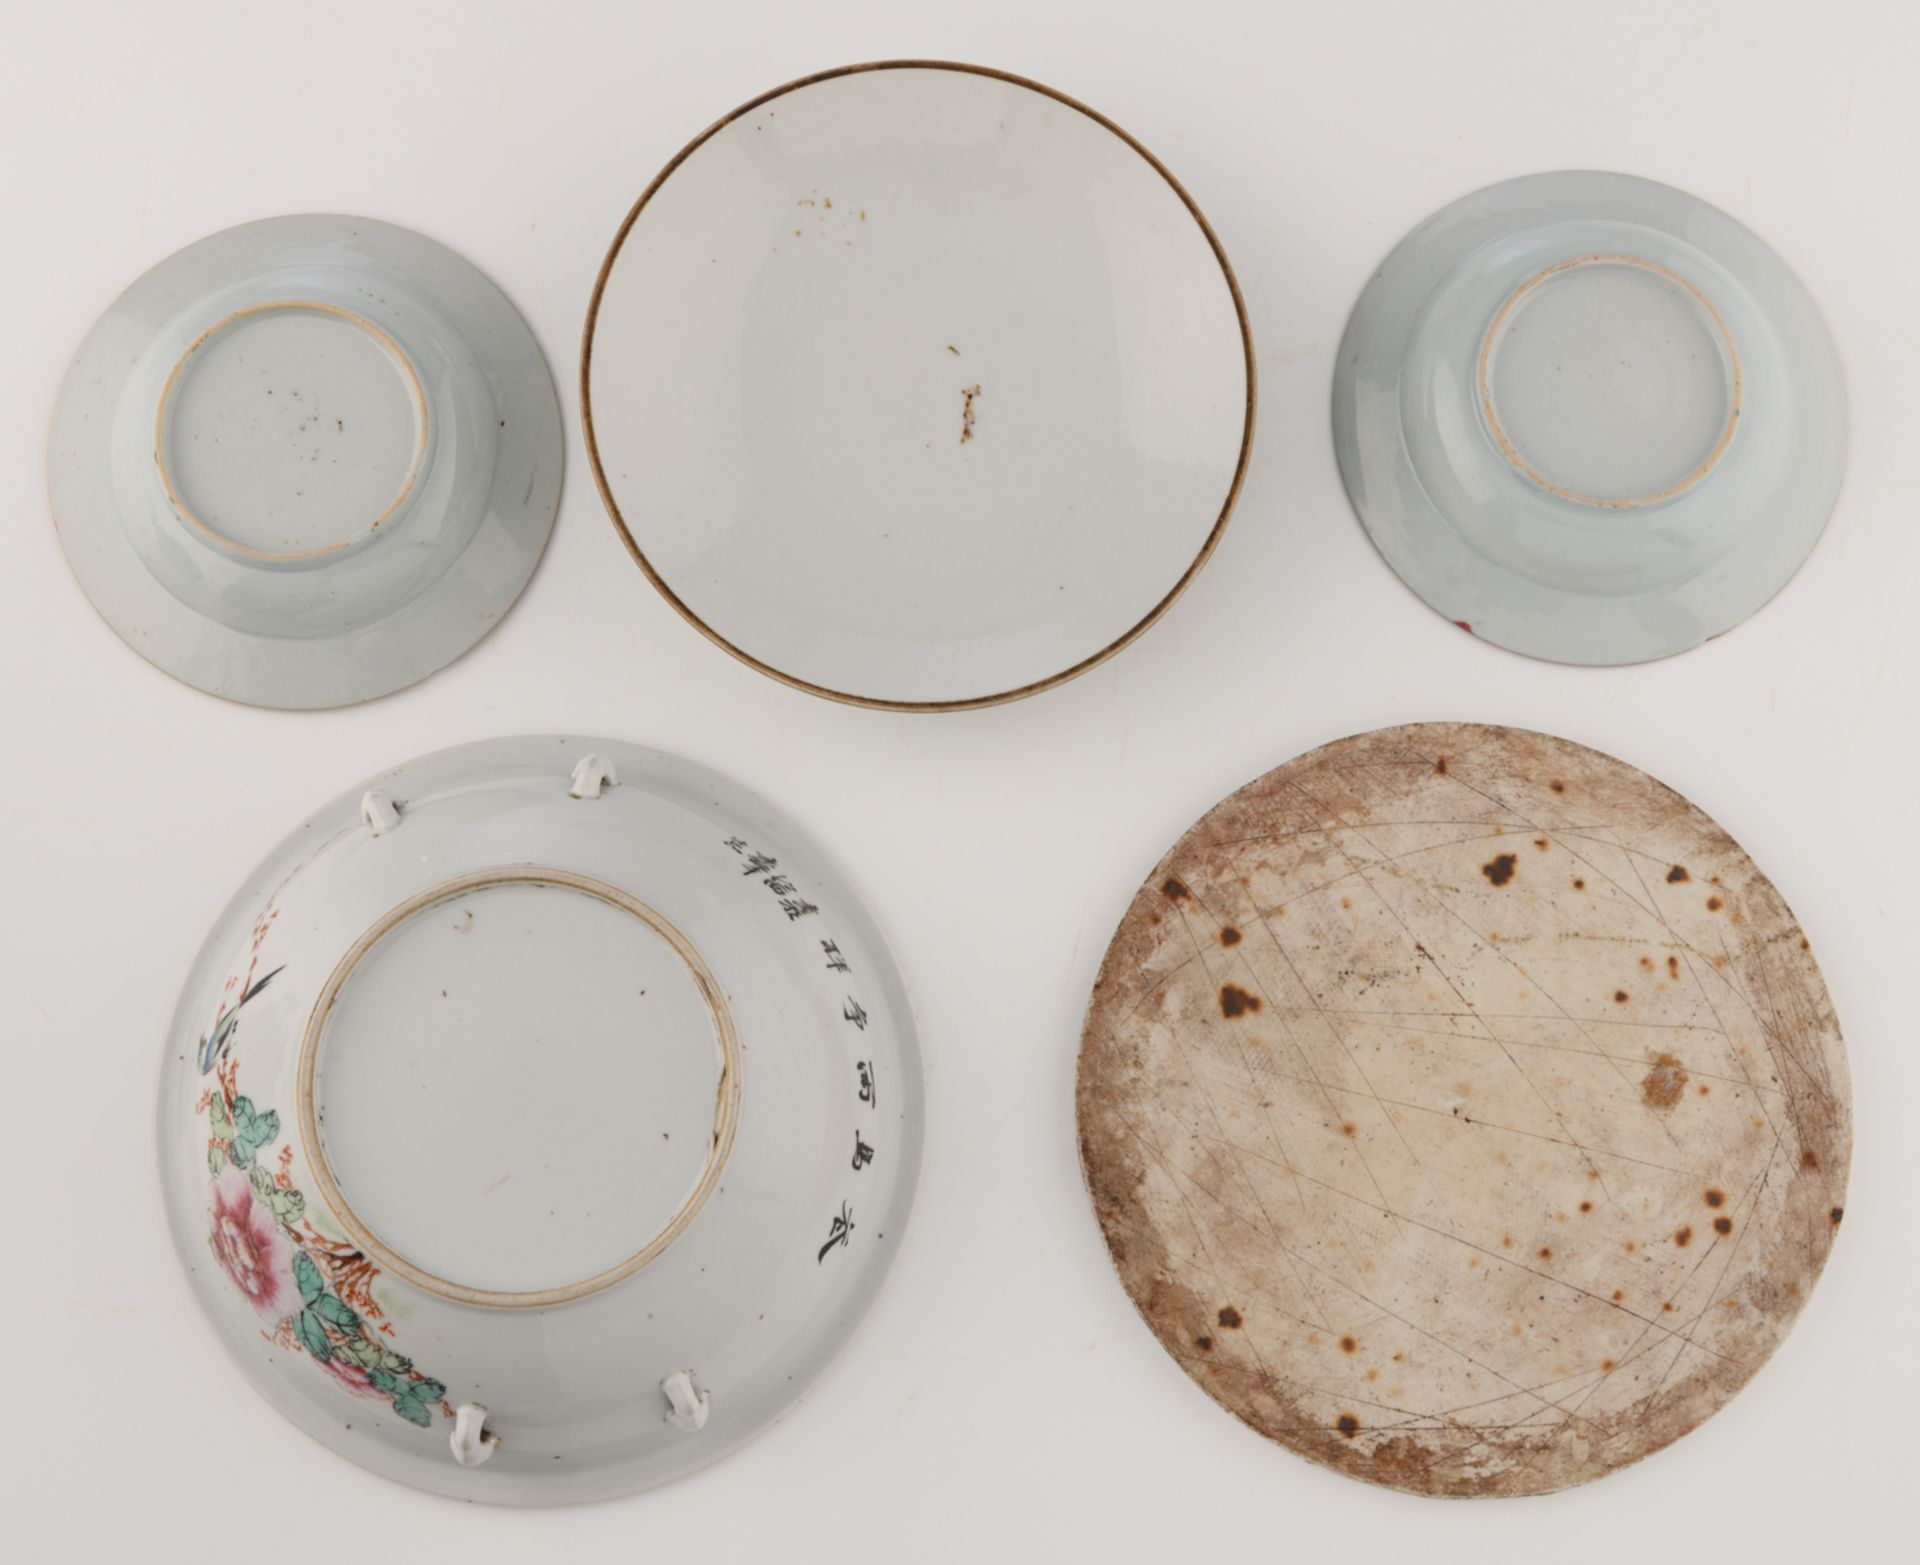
{"x": 466, "y": 398}
{"x": 1659, "y": 538}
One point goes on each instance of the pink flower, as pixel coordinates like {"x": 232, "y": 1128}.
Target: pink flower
{"x": 248, "y": 1242}
{"x": 353, "y": 1377}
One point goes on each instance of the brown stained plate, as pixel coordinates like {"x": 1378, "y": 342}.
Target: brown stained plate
{"x": 1464, "y": 1110}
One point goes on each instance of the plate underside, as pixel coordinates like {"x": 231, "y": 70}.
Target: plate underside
{"x": 1464, "y": 1110}
{"x": 1589, "y": 418}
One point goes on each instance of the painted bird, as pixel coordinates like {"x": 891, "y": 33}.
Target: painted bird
{"x": 214, "y": 1046}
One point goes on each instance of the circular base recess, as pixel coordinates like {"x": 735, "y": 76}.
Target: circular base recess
{"x": 460, "y": 1009}
{"x": 1464, "y": 1110}
{"x": 540, "y": 1119}
{"x": 917, "y": 386}
{"x": 254, "y": 443}
{"x": 307, "y": 461}
{"x": 1589, "y": 418}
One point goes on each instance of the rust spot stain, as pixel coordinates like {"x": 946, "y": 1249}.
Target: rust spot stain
{"x": 1677, "y": 874}
{"x": 1662, "y": 1085}
{"x": 1174, "y": 889}
{"x": 1347, "y": 1424}
{"x": 1229, "y": 936}
{"x": 1499, "y": 870}
{"x": 1229, "y": 1317}
{"x": 1235, "y": 1001}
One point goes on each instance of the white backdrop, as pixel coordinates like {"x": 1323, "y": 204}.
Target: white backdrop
{"x": 1003, "y": 1399}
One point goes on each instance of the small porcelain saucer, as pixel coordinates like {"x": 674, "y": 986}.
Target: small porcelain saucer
{"x": 539, "y": 1119}
{"x": 1589, "y": 417}
{"x": 917, "y": 385}
{"x": 306, "y": 461}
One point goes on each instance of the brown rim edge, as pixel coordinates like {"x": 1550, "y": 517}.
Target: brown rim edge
{"x": 964, "y": 703}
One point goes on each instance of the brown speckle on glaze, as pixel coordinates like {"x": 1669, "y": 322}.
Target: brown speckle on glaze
{"x": 968, "y": 395}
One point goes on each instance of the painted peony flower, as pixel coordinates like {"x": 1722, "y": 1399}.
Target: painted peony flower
{"x": 248, "y": 1242}
{"x": 353, "y": 1377}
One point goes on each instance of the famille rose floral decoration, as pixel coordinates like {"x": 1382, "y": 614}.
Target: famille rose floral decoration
{"x": 314, "y": 1293}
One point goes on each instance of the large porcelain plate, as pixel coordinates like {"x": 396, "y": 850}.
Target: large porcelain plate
{"x": 307, "y": 461}
{"x": 1589, "y": 417}
{"x": 917, "y": 385}
{"x": 539, "y": 1119}
{"x": 1464, "y": 1110}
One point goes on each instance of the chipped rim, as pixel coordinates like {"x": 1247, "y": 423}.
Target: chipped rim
{"x": 851, "y": 698}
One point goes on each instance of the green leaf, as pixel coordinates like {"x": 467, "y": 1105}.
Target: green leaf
{"x": 287, "y": 1205}
{"x": 380, "y": 1380}
{"x": 429, "y": 1390}
{"x": 363, "y": 1353}
{"x": 261, "y": 1181}
{"x": 251, "y": 1131}
{"x": 412, "y": 1410}
{"x": 216, "y": 1159}
{"x": 398, "y": 1363}
{"x": 335, "y": 1313}
{"x": 218, "y": 1117}
{"x": 308, "y": 1276}
{"x": 312, "y": 1335}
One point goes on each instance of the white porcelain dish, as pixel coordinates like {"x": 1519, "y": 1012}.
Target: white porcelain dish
{"x": 306, "y": 461}
{"x": 917, "y": 385}
{"x": 539, "y": 1119}
{"x": 1589, "y": 417}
